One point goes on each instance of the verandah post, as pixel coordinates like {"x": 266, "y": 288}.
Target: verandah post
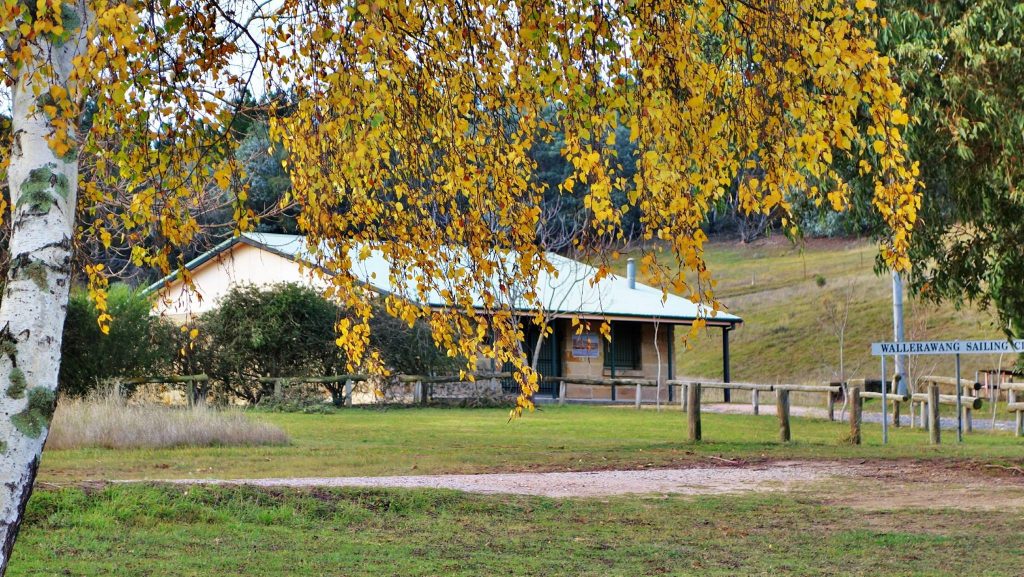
{"x": 726, "y": 373}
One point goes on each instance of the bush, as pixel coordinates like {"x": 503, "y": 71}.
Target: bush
{"x": 288, "y": 330}
{"x": 138, "y": 344}
{"x": 106, "y": 420}
{"x": 409, "y": 350}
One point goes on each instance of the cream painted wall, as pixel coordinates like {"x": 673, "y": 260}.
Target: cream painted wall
{"x": 243, "y": 264}
{"x": 573, "y": 367}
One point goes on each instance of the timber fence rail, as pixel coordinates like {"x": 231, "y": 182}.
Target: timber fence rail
{"x": 782, "y": 402}
{"x": 190, "y": 381}
{"x": 422, "y": 384}
{"x": 690, "y": 396}
{"x": 970, "y": 401}
{"x": 1013, "y": 392}
{"x": 638, "y": 384}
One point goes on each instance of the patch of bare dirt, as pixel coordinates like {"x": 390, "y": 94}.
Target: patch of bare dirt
{"x": 890, "y": 485}
{"x": 875, "y": 485}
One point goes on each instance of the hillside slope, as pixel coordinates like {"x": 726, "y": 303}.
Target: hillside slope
{"x": 786, "y": 335}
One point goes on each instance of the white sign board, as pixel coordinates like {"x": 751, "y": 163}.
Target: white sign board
{"x": 948, "y": 348}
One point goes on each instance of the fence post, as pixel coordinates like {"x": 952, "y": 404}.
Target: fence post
{"x": 561, "y": 393}
{"x": 923, "y": 410}
{"x": 755, "y": 400}
{"x": 348, "y": 392}
{"x": 639, "y": 395}
{"x": 682, "y": 397}
{"x": 417, "y": 393}
{"x": 278, "y": 386}
{"x": 1011, "y": 397}
{"x": 693, "y": 410}
{"x": 855, "y": 414}
{"x": 782, "y": 408}
{"x": 968, "y": 419}
{"x": 896, "y": 414}
{"x": 191, "y": 393}
{"x": 831, "y": 406}
{"x": 934, "y": 424}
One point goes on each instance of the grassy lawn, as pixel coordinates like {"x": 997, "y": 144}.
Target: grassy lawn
{"x": 784, "y": 338}
{"x": 171, "y": 531}
{"x": 424, "y": 441}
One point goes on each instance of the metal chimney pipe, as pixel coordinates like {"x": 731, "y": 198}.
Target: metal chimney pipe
{"x": 631, "y": 272}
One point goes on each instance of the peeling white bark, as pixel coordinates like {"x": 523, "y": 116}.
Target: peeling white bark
{"x": 34, "y": 302}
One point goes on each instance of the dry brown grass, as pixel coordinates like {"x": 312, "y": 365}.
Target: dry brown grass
{"x": 109, "y": 421}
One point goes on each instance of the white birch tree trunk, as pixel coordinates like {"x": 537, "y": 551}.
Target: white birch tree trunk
{"x": 34, "y": 302}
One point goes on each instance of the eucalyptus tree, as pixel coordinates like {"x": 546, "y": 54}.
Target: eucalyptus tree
{"x": 961, "y": 64}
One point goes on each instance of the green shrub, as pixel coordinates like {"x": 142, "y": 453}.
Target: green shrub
{"x": 288, "y": 330}
{"x": 409, "y": 350}
{"x": 285, "y": 330}
{"x": 138, "y": 344}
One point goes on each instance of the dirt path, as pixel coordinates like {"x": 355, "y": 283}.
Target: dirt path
{"x": 876, "y": 485}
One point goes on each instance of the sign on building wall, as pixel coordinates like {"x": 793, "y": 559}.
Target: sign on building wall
{"x": 948, "y": 348}
{"x": 585, "y": 346}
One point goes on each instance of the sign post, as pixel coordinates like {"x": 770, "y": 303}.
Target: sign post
{"x": 956, "y": 348}
{"x": 959, "y": 404}
{"x": 885, "y": 406}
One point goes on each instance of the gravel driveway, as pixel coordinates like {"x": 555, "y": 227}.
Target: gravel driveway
{"x": 877, "y": 485}
{"x": 692, "y": 481}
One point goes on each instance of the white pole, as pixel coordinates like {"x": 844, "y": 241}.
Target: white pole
{"x": 897, "y": 325}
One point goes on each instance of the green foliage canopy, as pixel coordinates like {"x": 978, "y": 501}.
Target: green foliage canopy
{"x": 961, "y": 64}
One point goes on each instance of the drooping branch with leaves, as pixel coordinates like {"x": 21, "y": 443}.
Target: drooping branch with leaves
{"x": 409, "y": 133}
{"x": 415, "y": 122}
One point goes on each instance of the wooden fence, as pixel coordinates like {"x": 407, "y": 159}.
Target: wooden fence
{"x": 422, "y": 384}
{"x": 1014, "y": 406}
{"x": 689, "y": 395}
{"x": 690, "y": 401}
{"x": 192, "y": 396}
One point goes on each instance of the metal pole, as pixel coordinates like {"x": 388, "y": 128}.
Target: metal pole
{"x": 897, "y": 325}
{"x": 959, "y": 405}
{"x": 885, "y": 407}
